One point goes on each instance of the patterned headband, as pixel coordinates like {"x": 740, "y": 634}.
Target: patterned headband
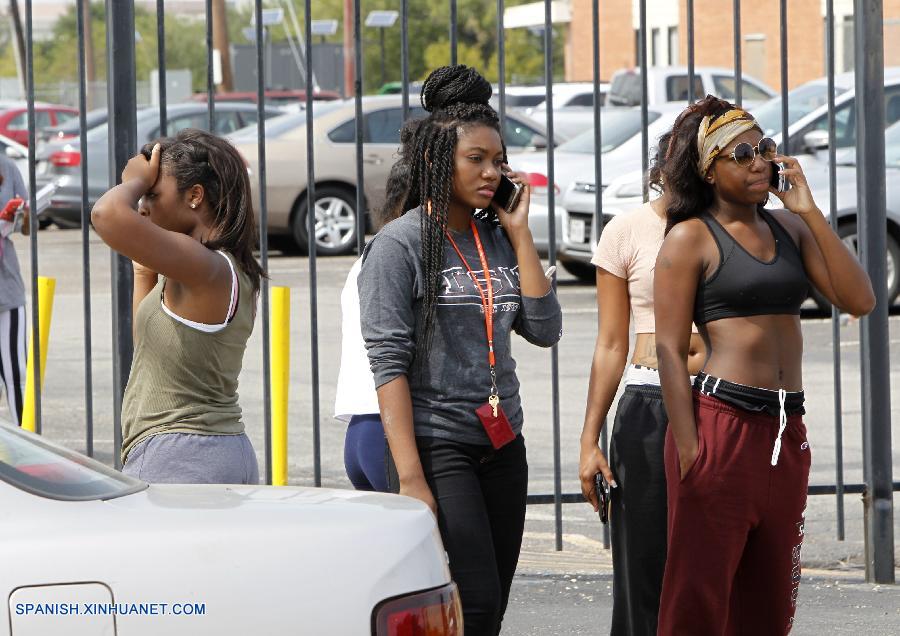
{"x": 714, "y": 135}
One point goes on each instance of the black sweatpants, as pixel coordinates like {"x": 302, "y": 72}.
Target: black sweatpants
{"x": 638, "y": 510}
{"x": 480, "y": 494}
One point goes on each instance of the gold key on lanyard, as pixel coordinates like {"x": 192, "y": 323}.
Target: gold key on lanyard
{"x": 494, "y": 401}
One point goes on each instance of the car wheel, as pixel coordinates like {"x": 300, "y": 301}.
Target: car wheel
{"x": 585, "y": 272}
{"x": 44, "y": 223}
{"x": 335, "y": 222}
{"x": 849, "y": 236}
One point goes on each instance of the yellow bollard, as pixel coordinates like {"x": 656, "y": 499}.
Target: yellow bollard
{"x": 46, "y": 287}
{"x": 281, "y": 362}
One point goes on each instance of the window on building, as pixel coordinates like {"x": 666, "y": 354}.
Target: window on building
{"x": 654, "y": 47}
{"x": 673, "y": 46}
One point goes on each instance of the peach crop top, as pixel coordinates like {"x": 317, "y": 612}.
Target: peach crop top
{"x": 627, "y": 248}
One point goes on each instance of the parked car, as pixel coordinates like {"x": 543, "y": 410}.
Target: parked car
{"x": 335, "y": 152}
{"x": 14, "y": 118}
{"x": 565, "y": 95}
{"x": 273, "y": 97}
{"x": 809, "y": 134}
{"x": 669, "y": 85}
{"x": 90, "y": 550}
{"x": 71, "y": 127}
{"x": 802, "y": 101}
{"x": 574, "y": 160}
{"x": 60, "y": 161}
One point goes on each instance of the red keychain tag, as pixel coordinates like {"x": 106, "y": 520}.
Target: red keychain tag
{"x": 496, "y": 425}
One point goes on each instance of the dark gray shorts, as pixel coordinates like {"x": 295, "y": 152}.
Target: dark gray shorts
{"x": 186, "y": 458}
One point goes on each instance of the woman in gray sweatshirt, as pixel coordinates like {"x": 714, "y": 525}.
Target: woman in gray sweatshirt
{"x": 441, "y": 290}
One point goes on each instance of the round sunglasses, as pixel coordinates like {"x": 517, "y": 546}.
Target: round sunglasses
{"x": 743, "y": 154}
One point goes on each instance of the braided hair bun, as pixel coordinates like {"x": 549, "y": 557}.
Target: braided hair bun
{"x": 457, "y": 84}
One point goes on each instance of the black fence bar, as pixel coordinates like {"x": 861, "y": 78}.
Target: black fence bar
{"x": 358, "y": 138}
{"x": 161, "y": 64}
{"x": 835, "y": 313}
{"x": 874, "y": 333}
{"x": 404, "y": 59}
{"x": 645, "y": 119}
{"x": 551, "y": 241}
{"x": 783, "y": 39}
{"x": 690, "y": 49}
{"x": 501, "y": 64}
{"x": 85, "y": 232}
{"x": 122, "y": 98}
{"x": 598, "y": 189}
{"x": 35, "y": 225}
{"x": 311, "y": 245}
{"x": 210, "y": 77}
{"x": 453, "y": 25}
{"x": 738, "y": 89}
{"x": 263, "y": 236}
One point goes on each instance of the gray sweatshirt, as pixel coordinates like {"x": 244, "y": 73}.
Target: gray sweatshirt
{"x": 455, "y": 379}
{"x": 12, "y": 288}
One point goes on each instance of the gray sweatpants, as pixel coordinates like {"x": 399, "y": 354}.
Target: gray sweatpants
{"x": 186, "y": 458}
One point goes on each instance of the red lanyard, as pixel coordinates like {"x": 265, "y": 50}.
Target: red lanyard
{"x": 487, "y": 301}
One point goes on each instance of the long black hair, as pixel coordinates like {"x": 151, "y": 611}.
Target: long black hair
{"x": 196, "y": 157}
{"x": 455, "y": 97}
{"x": 689, "y": 194}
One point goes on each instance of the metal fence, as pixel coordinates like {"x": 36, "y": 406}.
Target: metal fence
{"x": 868, "y": 61}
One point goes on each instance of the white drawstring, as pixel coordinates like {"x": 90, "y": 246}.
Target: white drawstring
{"x": 703, "y": 386}
{"x": 782, "y": 424}
{"x": 716, "y": 386}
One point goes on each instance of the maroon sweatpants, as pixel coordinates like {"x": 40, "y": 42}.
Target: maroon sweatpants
{"x": 735, "y": 526}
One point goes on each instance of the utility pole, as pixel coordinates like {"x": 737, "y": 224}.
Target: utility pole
{"x": 19, "y": 50}
{"x": 349, "y": 70}
{"x": 221, "y": 44}
{"x": 90, "y": 68}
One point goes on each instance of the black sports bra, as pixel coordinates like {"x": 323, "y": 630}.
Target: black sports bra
{"x": 743, "y": 285}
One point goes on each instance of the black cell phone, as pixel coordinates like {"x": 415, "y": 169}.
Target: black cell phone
{"x": 602, "y": 490}
{"x": 507, "y": 194}
{"x": 779, "y": 181}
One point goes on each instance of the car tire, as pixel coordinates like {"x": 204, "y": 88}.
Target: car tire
{"x": 44, "y": 223}
{"x": 585, "y": 272}
{"x": 848, "y": 234}
{"x": 336, "y": 220}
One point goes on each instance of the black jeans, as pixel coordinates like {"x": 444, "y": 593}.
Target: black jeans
{"x": 637, "y": 517}
{"x": 480, "y": 494}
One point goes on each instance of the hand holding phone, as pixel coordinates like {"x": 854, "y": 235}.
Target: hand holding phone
{"x": 507, "y": 194}
{"x": 602, "y": 490}
{"x": 779, "y": 181}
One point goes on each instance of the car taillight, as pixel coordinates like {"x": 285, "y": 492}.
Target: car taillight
{"x": 539, "y": 183}
{"x": 435, "y": 612}
{"x": 66, "y": 158}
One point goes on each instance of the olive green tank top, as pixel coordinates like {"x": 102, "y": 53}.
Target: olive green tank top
{"x": 184, "y": 379}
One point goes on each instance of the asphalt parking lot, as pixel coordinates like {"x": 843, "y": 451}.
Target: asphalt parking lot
{"x": 545, "y": 599}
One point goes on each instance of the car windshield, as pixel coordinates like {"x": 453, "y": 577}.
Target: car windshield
{"x": 801, "y": 101}
{"x": 34, "y": 465}
{"x": 616, "y": 126}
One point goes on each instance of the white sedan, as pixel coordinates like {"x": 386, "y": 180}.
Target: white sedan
{"x": 86, "y": 550}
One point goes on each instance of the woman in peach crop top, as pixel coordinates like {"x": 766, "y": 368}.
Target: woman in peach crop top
{"x": 625, "y": 258}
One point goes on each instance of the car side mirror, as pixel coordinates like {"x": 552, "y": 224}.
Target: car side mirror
{"x": 539, "y": 142}
{"x": 14, "y": 153}
{"x": 815, "y": 140}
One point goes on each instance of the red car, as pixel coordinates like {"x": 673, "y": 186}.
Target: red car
{"x": 14, "y": 118}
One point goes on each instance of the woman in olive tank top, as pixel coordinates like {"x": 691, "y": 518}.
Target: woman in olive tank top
{"x": 183, "y": 215}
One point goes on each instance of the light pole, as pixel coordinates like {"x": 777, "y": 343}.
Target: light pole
{"x": 382, "y": 20}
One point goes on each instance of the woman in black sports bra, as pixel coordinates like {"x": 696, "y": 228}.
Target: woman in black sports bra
{"x": 737, "y": 458}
